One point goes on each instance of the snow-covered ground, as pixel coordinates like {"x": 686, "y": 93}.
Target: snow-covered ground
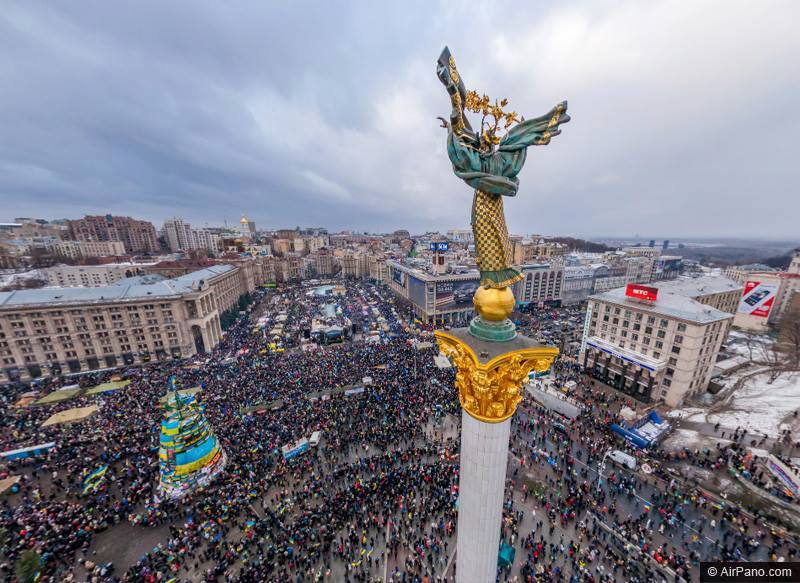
{"x": 691, "y": 439}
{"x": 685, "y": 413}
{"x": 758, "y": 405}
{"x": 743, "y": 344}
{"x": 19, "y": 277}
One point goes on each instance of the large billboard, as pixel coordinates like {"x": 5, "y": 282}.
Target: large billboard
{"x": 398, "y": 276}
{"x": 758, "y": 298}
{"x": 416, "y": 291}
{"x": 455, "y": 295}
{"x": 787, "y": 476}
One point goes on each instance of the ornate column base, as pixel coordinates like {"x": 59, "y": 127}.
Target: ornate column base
{"x": 502, "y": 331}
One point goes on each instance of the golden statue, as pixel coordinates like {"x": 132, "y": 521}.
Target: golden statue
{"x": 490, "y": 161}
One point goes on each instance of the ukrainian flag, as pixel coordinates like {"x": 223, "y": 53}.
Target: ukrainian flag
{"x": 94, "y": 480}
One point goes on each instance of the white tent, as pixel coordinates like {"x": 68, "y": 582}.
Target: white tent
{"x": 441, "y": 361}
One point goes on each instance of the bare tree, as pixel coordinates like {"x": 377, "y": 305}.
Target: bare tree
{"x": 750, "y": 341}
{"x": 789, "y": 334}
{"x": 772, "y": 357}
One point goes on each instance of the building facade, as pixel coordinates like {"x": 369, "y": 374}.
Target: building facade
{"x": 355, "y": 265}
{"x": 794, "y": 264}
{"x": 717, "y": 291}
{"x": 542, "y": 283}
{"x": 444, "y": 299}
{"x": 82, "y": 249}
{"x": 289, "y": 268}
{"x": 578, "y": 284}
{"x": 324, "y": 262}
{"x": 137, "y": 236}
{"x": 52, "y": 332}
{"x": 779, "y": 286}
{"x": 464, "y": 236}
{"x": 90, "y": 275}
{"x": 661, "y": 350}
{"x": 181, "y": 236}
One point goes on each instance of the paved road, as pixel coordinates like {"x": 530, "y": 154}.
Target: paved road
{"x": 693, "y": 533}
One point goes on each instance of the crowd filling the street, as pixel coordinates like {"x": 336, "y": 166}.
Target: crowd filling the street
{"x": 375, "y": 496}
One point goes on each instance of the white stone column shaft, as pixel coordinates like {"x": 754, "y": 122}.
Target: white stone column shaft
{"x": 481, "y": 485}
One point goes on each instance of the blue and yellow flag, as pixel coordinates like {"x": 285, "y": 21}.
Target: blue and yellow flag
{"x": 94, "y": 480}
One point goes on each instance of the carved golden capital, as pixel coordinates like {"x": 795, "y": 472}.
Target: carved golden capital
{"x": 490, "y": 391}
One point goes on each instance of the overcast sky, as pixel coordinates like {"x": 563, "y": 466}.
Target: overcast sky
{"x": 685, "y": 115}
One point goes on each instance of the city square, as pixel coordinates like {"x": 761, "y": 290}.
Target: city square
{"x": 546, "y": 327}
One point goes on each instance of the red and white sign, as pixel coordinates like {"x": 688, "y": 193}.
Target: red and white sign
{"x": 758, "y": 298}
{"x": 641, "y": 292}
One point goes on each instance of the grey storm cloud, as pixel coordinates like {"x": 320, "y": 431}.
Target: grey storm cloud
{"x": 685, "y": 115}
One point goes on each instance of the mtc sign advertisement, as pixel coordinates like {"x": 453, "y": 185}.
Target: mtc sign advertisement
{"x": 438, "y": 246}
{"x": 758, "y": 298}
{"x": 641, "y": 292}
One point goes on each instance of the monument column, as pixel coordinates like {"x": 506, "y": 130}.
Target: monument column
{"x": 491, "y": 359}
{"x": 484, "y": 455}
{"x": 489, "y": 377}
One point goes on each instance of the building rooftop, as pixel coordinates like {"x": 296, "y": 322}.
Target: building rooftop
{"x": 755, "y": 267}
{"x": 135, "y": 289}
{"x": 668, "y": 304}
{"x": 427, "y": 276}
{"x": 692, "y": 287}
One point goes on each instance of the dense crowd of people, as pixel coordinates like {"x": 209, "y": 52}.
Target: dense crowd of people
{"x": 262, "y": 517}
{"x": 377, "y": 498}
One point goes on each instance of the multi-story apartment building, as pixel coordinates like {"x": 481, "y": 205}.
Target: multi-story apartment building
{"x": 137, "y": 236}
{"x": 794, "y": 264}
{"x": 355, "y": 265}
{"x": 578, "y": 284}
{"x": 638, "y": 269}
{"x": 82, "y": 249}
{"x": 662, "y": 350}
{"x": 542, "y": 283}
{"x": 717, "y": 291}
{"x": 666, "y": 267}
{"x": 181, "y": 236}
{"x": 91, "y": 275}
{"x": 282, "y": 246}
{"x": 50, "y": 332}
{"x": 288, "y": 268}
{"x": 641, "y": 251}
{"x": 607, "y": 278}
{"x": 778, "y": 288}
{"x": 460, "y": 236}
{"x": 324, "y": 262}
{"x": 526, "y": 251}
{"x": 444, "y": 298}
{"x": 253, "y": 270}
{"x": 740, "y": 273}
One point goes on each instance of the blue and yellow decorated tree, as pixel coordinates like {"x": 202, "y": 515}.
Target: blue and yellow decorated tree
{"x": 189, "y": 453}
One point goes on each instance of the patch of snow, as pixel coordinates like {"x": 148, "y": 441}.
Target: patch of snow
{"x": 681, "y": 438}
{"x": 691, "y": 439}
{"x": 684, "y": 413}
{"x": 761, "y": 407}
